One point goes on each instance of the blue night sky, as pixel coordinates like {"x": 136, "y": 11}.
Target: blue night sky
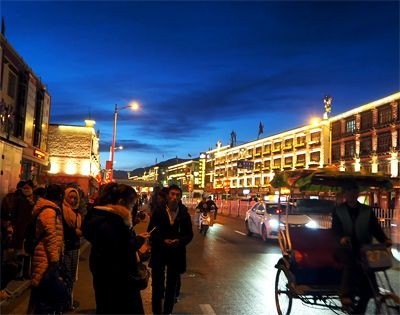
{"x": 203, "y": 69}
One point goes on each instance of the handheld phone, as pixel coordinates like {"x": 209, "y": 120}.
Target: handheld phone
{"x": 152, "y": 230}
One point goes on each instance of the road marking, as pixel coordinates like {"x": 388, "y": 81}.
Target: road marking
{"x": 207, "y": 309}
{"x": 241, "y": 233}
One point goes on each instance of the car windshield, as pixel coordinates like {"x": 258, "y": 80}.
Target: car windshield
{"x": 322, "y": 206}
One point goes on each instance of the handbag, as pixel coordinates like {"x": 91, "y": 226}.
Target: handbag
{"x": 376, "y": 257}
{"x": 139, "y": 276}
{"x": 56, "y": 288}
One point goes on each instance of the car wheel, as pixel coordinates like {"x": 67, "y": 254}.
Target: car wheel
{"x": 264, "y": 233}
{"x": 248, "y": 232}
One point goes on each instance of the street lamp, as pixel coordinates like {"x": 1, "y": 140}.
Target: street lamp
{"x": 134, "y": 106}
{"x": 120, "y": 147}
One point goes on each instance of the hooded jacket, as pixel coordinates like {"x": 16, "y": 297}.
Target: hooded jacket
{"x": 49, "y": 232}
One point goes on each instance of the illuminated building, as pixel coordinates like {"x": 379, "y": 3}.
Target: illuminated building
{"x": 364, "y": 139}
{"x": 185, "y": 174}
{"x": 24, "y": 119}
{"x": 74, "y": 156}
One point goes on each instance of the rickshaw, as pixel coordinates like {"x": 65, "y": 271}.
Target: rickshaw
{"x": 307, "y": 270}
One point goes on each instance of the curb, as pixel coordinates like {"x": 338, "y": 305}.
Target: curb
{"x": 15, "y": 288}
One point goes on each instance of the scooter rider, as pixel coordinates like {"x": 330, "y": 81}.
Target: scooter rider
{"x": 204, "y": 207}
{"x": 212, "y": 206}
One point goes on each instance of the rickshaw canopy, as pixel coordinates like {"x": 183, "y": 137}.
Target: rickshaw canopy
{"x": 329, "y": 180}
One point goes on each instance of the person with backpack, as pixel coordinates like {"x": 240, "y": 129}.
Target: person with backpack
{"x": 72, "y": 236}
{"x": 47, "y": 252}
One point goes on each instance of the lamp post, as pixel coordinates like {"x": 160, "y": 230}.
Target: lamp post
{"x": 134, "y": 106}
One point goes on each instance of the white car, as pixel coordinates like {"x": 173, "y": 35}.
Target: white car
{"x": 266, "y": 219}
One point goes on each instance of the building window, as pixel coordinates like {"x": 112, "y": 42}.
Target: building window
{"x": 335, "y": 152}
{"x": 288, "y": 161}
{"x": 277, "y": 146}
{"x": 301, "y": 158}
{"x": 366, "y": 167}
{"x": 267, "y": 164}
{"x": 384, "y": 167}
{"x": 384, "y": 142}
{"x": 314, "y": 156}
{"x": 366, "y": 120}
{"x": 351, "y": 125}
{"x": 12, "y": 84}
{"x": 267, "y": 149}
{"x": 37, "y": 131}
{"x": 384, "y": 115}
{"x": 316, "y": 137}
{"x": 300, "y": 141}
{"x": 336, "y": 130}
{"x": 288, "y": 143}
{"x": 349, "y": 149}
{"x": 277, "y": 164}
{"x": 365, "y": 146}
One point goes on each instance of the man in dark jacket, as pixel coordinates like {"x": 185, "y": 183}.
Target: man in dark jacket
{"x": 171, "y": 228}
{"x": 355, "y": 225}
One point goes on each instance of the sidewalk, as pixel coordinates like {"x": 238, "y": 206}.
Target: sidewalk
{"x": 17, "y": 287}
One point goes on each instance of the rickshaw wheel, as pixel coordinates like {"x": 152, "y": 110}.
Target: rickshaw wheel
{"x": 283, "y": 296}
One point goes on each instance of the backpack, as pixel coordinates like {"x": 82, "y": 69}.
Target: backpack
{"x": 31, "y": 241}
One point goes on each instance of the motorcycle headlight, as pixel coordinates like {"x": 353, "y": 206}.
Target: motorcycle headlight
{"x": 312, "y": 224}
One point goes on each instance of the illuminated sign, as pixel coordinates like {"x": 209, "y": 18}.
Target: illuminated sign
{"x": 39, "y": 154}
{"x": 245, "y": 164}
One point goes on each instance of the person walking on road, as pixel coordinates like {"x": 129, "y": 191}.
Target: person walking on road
{"x": 72, "y": 234}
{"x": 172, "y": 233}
{"x": 108, "y": 227}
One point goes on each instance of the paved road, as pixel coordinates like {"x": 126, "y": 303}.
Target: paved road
{"x": 228, "y": 273}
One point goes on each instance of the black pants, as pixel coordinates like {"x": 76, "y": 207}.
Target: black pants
{"x": 163, "y": 287}
{"x": 355, "y": 281}
{"x": 115, "y": 296}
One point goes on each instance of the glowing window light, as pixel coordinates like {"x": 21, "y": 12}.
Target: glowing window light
{"x": 54, "y": 166}
{"x": 70, "y": 168}
{"x": 85, "y": 167}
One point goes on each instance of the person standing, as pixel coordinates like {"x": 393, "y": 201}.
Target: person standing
{"x": 108, "y": 227}
{"x": 22, "y": 219}
{"x": 172, "y": 231}
{"x": 48, "y": 250}
{"x": 355, "y": 224}
{"x": 72, "y": 234}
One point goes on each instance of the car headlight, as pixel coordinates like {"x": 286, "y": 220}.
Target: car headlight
{"x": 312, "y": 224}
{"x": 396, "y": 252}
{"x": 273, "y": 223}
